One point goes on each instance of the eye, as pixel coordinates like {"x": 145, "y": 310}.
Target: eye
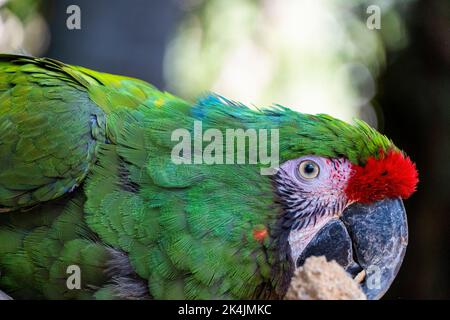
{"x": 308, "y": 169}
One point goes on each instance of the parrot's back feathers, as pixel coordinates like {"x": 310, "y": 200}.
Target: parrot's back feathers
{"x": 52, "y": 117}
{"x": 49, "y": 130}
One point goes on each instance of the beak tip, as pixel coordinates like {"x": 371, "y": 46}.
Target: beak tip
{"x": 380, "y": 236}
{"x": 370, "y": 237}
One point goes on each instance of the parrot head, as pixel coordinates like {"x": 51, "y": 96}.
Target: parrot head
{"x": 340, "y": 187}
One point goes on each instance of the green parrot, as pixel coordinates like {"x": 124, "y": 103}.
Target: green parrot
{"x": 104, "y": 193}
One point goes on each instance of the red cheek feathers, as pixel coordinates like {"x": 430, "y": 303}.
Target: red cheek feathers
{"x": 392, "y": 175}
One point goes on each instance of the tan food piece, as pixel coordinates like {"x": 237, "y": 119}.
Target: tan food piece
{"x": 319, "y": 279}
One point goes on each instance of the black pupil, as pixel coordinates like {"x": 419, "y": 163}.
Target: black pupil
{"x": 309, "y": 168}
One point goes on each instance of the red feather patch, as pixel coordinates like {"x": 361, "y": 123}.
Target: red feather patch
{"x": 392, "y": 175}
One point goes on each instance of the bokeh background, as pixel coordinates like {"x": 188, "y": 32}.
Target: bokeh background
{"x": 310, "y": 55}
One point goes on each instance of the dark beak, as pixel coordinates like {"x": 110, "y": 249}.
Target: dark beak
{"x": 371, "y": 237}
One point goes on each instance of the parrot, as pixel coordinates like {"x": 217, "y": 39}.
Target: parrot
{"x": 95, "y": 205}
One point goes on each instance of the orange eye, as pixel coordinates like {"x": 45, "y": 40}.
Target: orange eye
{"x": 308, "y": 169}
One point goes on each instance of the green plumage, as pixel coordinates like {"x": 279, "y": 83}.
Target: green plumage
{"x": 85, "y": 166}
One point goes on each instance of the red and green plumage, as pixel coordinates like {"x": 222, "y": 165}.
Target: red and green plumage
{"x": 86, "y": 177}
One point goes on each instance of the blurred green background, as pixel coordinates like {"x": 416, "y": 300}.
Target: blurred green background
{"x": 310, "y": 55}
